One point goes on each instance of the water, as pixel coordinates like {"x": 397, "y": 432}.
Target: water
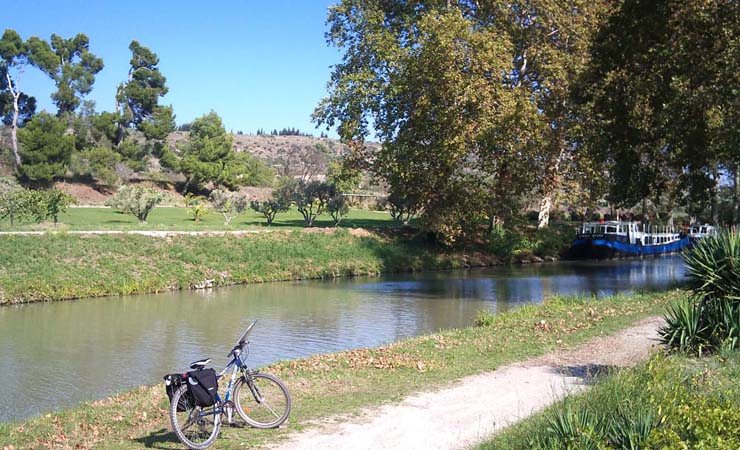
{"x": 58, "y": 354}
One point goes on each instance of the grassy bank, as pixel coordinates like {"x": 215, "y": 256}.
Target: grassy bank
{"x": 669, "y": 402}
{"x": 344, "y": 382}
{"x": 58, "y": 266}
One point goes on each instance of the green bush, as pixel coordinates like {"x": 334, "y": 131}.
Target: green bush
{"x": 709, "y": 320}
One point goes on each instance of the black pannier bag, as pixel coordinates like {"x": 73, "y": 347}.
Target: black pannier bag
{"x": 203, "y": 386}
{"x": 172, "y": 382}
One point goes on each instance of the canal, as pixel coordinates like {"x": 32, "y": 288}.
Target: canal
{"x": 56, "y": 355}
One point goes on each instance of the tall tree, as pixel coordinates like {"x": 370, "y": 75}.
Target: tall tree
{"x": 72, "y": 66}
{"x": 14, "y": 57}
{"x": 664, "y": 99}
{"x": 26, "y": 104}
{"x": 427, "y": 77}
{"x": 137, "y": 99}
{"x": 550, "y": 43}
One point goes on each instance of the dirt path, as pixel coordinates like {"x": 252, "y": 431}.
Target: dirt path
{"x": 475, "y": 407}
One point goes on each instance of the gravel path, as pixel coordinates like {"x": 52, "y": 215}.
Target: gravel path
{"x": 475, "y": 407}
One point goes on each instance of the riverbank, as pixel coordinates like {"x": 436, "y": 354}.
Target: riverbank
{"x": 62, "y": 266}
{"x": 346, "y": 382}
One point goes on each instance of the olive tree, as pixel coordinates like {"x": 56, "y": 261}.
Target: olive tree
{"x": 135, "y": 200}
{"x": 229, "y": 204}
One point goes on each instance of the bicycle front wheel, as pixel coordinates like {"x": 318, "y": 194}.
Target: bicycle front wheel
{"x": 262, "y": 400}
{"x": 194, "y": 426}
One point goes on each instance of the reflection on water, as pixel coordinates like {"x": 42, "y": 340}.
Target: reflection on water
{"x": 56, "y": 355}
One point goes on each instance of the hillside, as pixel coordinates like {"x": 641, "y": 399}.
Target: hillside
{"x": 303, "y": 156}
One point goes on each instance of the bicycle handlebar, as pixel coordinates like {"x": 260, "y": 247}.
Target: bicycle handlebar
{"x": 242, "y": 340}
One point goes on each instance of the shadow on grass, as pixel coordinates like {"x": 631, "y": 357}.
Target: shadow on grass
{"x": 158, "y": 439}
{"x": 329, "y": 223}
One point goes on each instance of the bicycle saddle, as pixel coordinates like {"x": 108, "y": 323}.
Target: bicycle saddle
{"x": 201, "y": 363}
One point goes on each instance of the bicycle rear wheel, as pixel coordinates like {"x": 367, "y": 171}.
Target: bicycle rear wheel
{"x": 194, "y": 426}
{"x": 262, "y": 400}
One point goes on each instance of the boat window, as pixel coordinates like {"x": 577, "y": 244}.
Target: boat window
{"x": 611, "y": 229}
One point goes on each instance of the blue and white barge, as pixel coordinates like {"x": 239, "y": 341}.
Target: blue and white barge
{"x": 612, "y": 239}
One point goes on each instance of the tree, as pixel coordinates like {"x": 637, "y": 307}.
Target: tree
{"x": 72, "y": 66}
{"x": 55, "y": 202}
{"x": 14, "y": 202}
{"x": 550, "y": 50}
{"x": 402, "y": 208}
{"x": 337, "y": 206}
{"x": 46, "y": 148}
{"x": 345, "y": 177}
{"x": 156, "y": 128}
{"x": 428, "y": 78}
{"x": 135, "y": 200}
{"x": 269, "y": 208}
{"x": 14, "y": 56}
{"x": 229, "y": 204}
{"x": 661, "y": 100}
{"x": 97, "y": 163}
{"x": 310, "y": 198}
{"x": 138, "y": 97}
{"x": 26, "y": 104}
{"x": 208, "y": 153}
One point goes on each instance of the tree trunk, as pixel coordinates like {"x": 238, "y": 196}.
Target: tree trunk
{"x": 543, "y": 219}
{"x": 736, "y": 194}
{"x": 551, "y": 183}
{"x": 713, "y": 196}
{"x": 644, "y": 210}
{"x": 14, "y": 127}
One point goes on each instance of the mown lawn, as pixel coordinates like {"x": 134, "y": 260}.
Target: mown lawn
{"x": 179, "y": 219}
{"x": 345, "y": 382}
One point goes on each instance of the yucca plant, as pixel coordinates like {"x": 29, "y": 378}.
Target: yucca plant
{"x": 570, "y": 430}
{"x": 684, "y": 328}
{"x": 710, "y": 319}
{"x": 629, "y": 430}
{"x": 713, "y": 267}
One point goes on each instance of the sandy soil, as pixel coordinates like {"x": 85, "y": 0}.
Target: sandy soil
{"x": 475, "y": 407}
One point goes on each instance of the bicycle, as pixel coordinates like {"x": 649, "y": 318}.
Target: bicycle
{"x": 260, "y": 399}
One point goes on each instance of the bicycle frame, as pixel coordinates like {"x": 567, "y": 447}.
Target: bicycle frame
{"x": 237, "y": 366}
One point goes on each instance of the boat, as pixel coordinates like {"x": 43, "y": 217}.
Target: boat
{"x": 613, "y": 239}
{"x": 697, "y": 232}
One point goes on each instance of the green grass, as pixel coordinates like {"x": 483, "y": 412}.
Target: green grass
{"x": 345, "y": 382}
{"x": 669, "y": 402}
{"x": 178, "y": 218}
{"x": 61, "y": 266}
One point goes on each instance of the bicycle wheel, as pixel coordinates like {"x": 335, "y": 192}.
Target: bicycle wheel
{"x": 194, "y": 426}
{"x": 262, "y": 400}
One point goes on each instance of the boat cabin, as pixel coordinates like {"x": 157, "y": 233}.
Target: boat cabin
{"x": 701, "y": 231}
{"x": 611, "y": 229}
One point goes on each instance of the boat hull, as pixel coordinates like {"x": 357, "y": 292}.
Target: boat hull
{"x": 601, "y": 248}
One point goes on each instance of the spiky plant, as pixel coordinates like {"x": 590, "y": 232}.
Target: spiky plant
{"x": 710, "y": 319}
{"x": 713, "y": 267}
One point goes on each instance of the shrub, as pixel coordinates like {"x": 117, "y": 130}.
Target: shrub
{"x": 135, "y": 200}
{"x": 709, "y": 320}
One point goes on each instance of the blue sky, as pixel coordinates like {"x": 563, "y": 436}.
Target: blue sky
{"x": 257, "y": 64}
